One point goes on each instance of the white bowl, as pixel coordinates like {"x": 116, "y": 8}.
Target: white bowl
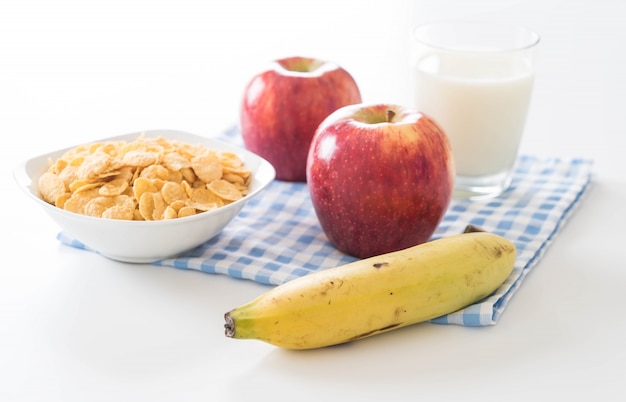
{"x": 146, "y": 241}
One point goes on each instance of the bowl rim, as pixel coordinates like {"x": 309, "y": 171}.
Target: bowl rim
{"x": 28, "y": 171}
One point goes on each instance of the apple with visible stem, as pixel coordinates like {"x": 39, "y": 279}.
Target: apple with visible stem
{"x": 283, "y": 105}
{"x": 380, "y": 177}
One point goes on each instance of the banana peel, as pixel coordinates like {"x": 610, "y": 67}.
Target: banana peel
{"x": 378, "y": 294}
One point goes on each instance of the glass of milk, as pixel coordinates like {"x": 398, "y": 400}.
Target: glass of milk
{"x": 476, "y": 80}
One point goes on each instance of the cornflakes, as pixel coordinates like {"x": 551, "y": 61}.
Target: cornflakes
{"x": 145, "y": 179}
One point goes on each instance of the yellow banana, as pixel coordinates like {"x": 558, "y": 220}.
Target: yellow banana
{"x": 377, "y": 294}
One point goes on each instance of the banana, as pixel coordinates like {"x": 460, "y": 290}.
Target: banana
{"x": 377, "y": 294}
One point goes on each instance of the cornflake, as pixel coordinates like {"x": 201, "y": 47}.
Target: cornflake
{"x": 146, "y": 179}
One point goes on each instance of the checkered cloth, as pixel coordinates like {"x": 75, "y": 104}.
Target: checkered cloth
{"x": 276, "y": 237}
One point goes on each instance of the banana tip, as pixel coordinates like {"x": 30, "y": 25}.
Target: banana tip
{"x": 229, "y": 326}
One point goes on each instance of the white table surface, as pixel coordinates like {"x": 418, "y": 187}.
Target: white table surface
{"x": 77, "y": 327}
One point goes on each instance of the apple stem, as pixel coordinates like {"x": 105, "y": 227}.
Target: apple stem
{"x": 390, "y": 114}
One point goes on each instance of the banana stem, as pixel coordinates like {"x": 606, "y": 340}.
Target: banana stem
{"x": 473, "y": 229}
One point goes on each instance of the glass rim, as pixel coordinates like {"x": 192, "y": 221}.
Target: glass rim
{"x": 420, "y": 31}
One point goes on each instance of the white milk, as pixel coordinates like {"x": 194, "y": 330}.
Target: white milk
{"x": 481, "y": 102}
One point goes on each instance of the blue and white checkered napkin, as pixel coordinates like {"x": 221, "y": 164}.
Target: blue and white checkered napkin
{"x": 276, "y": 237}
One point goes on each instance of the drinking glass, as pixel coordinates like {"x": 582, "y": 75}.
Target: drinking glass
{"x": 476, "y": 80}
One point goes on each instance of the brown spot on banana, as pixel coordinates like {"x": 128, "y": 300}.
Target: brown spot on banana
{"x": 497, "y": 252}
{"x": 332, "y": 284}
{"x": 472, "y": 279}
{"x": 398, "y": 312}
{"x": 502, "y": 249}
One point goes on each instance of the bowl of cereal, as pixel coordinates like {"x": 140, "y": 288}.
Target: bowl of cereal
{"x": 145, "y": 196}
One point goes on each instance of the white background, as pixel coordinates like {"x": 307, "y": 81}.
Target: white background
{"x": 77, "y": 327}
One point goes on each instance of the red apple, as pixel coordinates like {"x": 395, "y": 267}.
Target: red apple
{"x": 283, "y": 105}
{"x": 380, "y": 178}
